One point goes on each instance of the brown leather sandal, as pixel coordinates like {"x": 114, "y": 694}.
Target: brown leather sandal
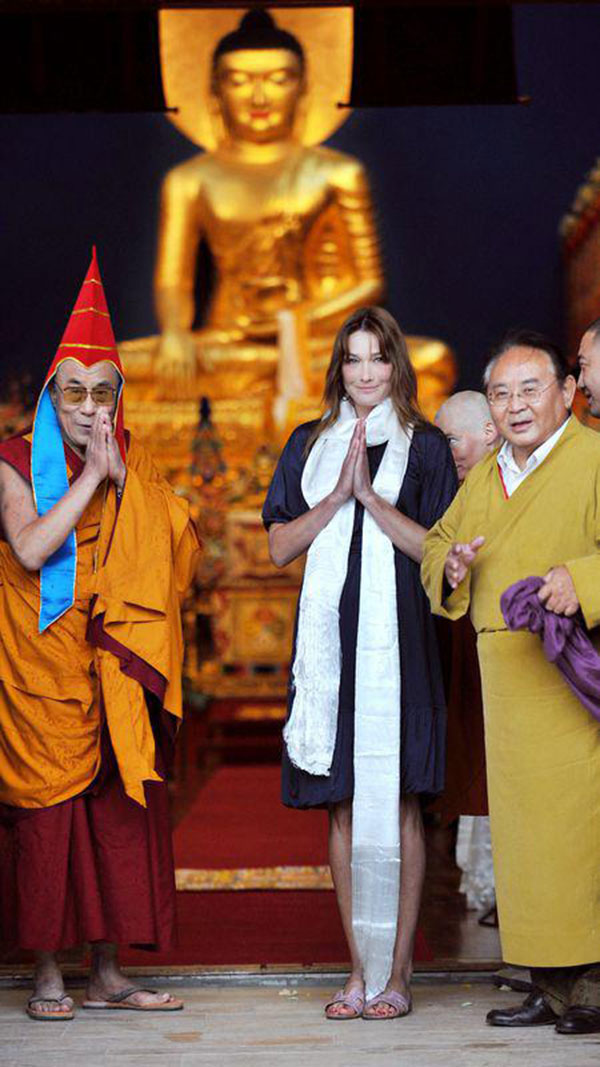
{"x": 119, "y": 1001}
{"x": 49, "y": 1016}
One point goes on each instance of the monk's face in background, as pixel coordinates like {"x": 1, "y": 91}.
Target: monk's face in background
{"x": 258, "y": 91}
{"x": 468, "y": 445}
{"x": 527, "y": 401}
{"x": 365, "y": 372}
{"x": 589, "y": 371}
{"x": 76, "y": 418}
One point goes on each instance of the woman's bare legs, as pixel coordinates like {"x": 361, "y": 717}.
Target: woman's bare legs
{"x": 340, "y": 854}
{"x": 412, "y": 874}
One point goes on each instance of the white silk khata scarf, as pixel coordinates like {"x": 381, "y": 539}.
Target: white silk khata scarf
{"x": 311, "y": 729}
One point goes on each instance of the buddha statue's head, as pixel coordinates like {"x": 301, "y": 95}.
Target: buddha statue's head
{"x": 257, "y": 80}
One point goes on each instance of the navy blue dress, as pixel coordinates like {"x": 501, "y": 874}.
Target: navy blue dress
{"x": 429, "y": 485}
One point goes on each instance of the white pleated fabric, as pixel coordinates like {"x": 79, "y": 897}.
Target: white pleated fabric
{"x": 311, "y": 729}
{"x": 474, "y": 857}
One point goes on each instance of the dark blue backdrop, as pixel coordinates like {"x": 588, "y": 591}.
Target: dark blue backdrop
{"x": 469, "y": 201}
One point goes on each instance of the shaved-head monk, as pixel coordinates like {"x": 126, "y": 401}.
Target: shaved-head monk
{"x": 466, "y": 421}
{"x": 96, "y": 553}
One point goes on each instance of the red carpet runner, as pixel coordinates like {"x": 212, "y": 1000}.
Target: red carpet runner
{"x": 238, "y": 821}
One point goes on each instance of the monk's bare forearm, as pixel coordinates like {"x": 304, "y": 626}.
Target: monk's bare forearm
{"x": 288, "y": 540}
{"x": 40, "y": 538}
{"x": 407, "y": 535}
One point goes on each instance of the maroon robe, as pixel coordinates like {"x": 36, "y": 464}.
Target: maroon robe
{"x": 465, "y": 791}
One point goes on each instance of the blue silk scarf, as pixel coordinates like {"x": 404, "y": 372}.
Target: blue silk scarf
{"x": 50, "y": 482}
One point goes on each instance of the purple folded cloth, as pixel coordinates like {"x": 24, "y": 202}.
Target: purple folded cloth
{"x": 564, "y": 639}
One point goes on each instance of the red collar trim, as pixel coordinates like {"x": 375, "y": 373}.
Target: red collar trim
{"x": 502, "y": 482}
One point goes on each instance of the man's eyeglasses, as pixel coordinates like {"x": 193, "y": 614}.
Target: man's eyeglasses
{"x": 529, "y": 394}
{"x": 74, "y": 395}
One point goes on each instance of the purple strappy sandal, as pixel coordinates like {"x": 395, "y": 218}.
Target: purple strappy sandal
{"x": 354, "y": 999}
{"x": 401, "y": 1006}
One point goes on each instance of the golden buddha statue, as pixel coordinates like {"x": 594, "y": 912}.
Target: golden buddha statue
{"x": 289, "y": 226}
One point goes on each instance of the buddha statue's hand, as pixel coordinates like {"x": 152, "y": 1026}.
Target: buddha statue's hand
{"x": 176, "y": 363}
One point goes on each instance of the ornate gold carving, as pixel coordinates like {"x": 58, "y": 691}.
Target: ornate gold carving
{"x": 248, "y": 551}
{"x": 259, "y": 713}
{"x": 584, "y": 211}
{"x": 254, "y": 626}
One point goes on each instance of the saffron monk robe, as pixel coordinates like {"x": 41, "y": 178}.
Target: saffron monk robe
{"x": 466, "y": 422}
{"x": 533, "y": 508}
{"x": 97, "y": 553}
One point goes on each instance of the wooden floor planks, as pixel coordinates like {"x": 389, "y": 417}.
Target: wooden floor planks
{"x": 285, "y": 1027}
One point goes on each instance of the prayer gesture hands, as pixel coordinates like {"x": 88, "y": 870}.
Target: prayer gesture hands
{"x": 354, "y": 479}
{"x": 558, "y": 592}
{"x": 361, "y": 485}
{"x": 102, "y": 456}
{"x": 459, "y": 559}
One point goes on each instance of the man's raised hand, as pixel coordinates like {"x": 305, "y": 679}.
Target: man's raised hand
{"x": 102, "y": 456}
{"x": 116, "y": 468}
{"x": 96, "y": 453}
{"x": 459, "y": 559}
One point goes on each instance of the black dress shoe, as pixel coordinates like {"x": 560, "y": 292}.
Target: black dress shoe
{"x": 534, "y": 1011}
{"x": 579, "y": 1019}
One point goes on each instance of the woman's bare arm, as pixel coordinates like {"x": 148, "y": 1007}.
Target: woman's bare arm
{"x": 406, "y": 534}
{"x": 288, "y": 540}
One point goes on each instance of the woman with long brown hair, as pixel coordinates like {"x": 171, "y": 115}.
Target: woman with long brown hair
{"x": 365, "y": 734}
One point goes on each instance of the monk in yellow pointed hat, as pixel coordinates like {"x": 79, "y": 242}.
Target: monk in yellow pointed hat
{"x": 97, "y": 552}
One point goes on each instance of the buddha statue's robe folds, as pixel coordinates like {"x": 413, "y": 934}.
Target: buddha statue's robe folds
{"x": 295, "y": 236}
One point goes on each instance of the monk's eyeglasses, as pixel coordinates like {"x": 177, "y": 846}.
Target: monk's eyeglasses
{"x": 529, "y": 394}
{"x": 75, "y": 395}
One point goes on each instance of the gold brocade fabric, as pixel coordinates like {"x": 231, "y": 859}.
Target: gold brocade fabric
{"x": 203, "y": 880}
{"x": 49, "y": 683}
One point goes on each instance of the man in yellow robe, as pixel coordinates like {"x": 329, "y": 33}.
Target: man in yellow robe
{"x": 96, "y": 555}
{"x": 533, "y": 508}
